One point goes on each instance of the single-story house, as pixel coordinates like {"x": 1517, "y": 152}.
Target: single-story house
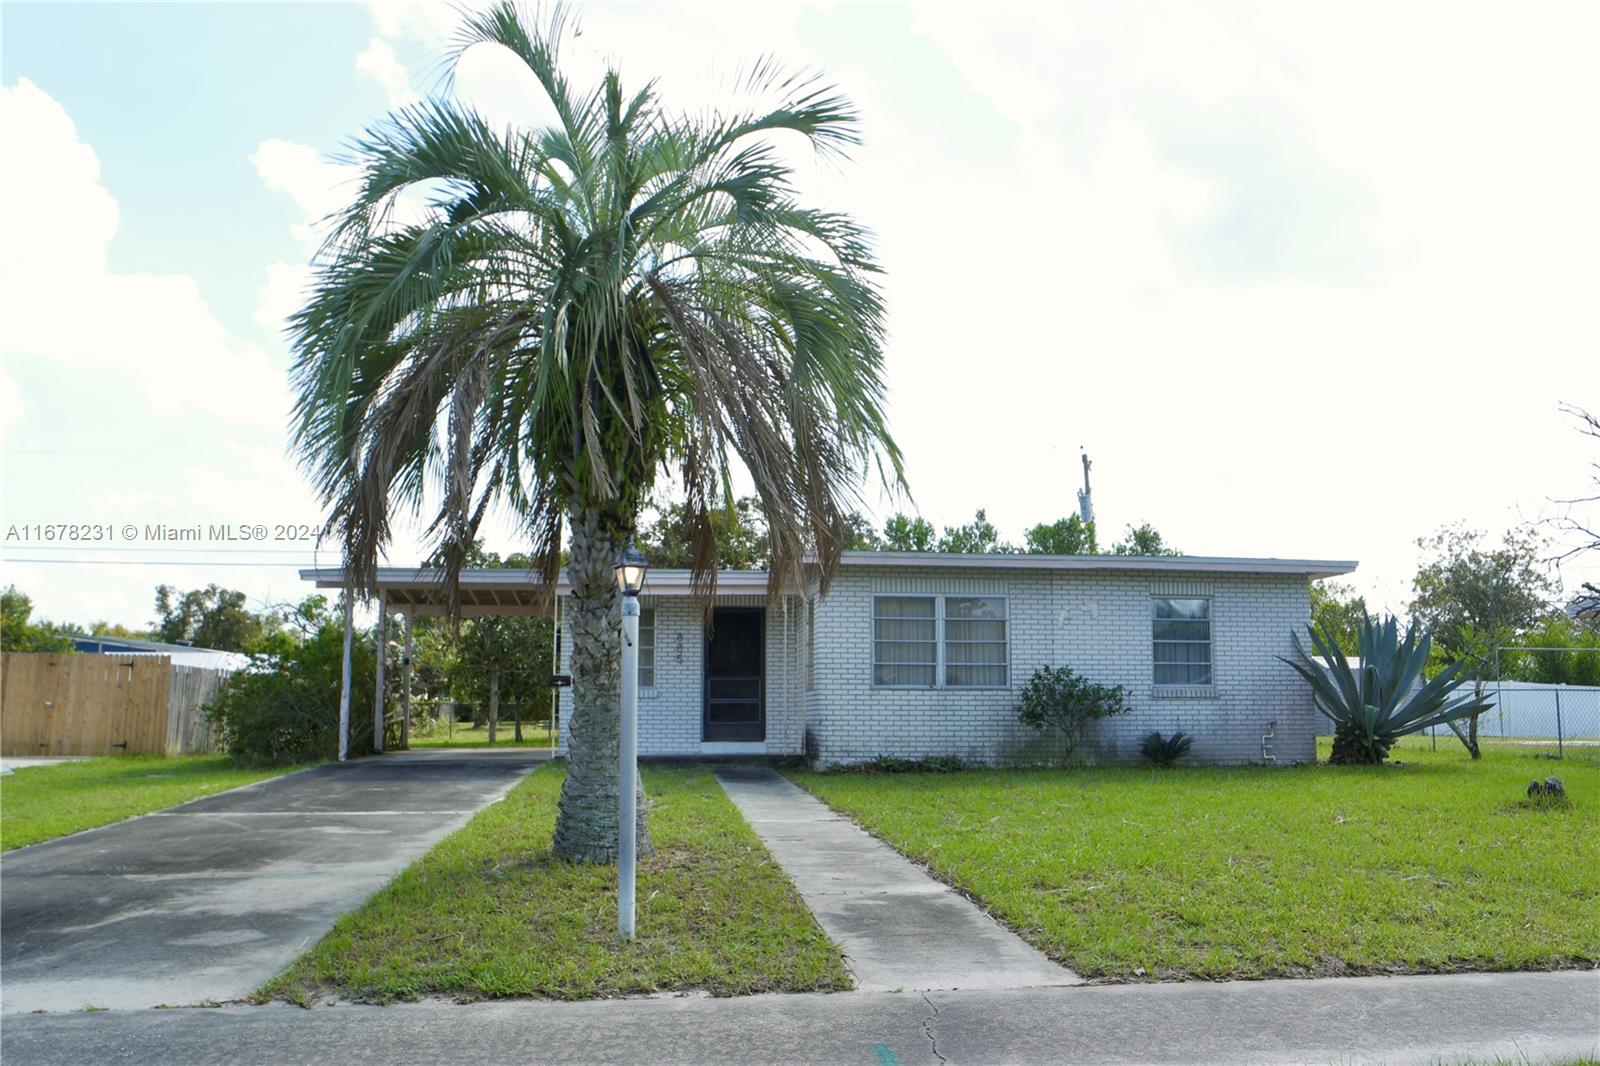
{"x": 913, "y": 654}
{"x": 180, "y": 654}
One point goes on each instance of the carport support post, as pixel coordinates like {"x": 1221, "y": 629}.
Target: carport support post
{"x": 628, "y": 771}
{"x": 383, "y": 654}
{"x": 344, "y": 677}
{"x": 405, "y": 689}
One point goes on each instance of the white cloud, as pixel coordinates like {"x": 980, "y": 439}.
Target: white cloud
{"x": 318, "y": 186}
{"x": 60, "y": 303}
{"x": 1258, "y": 259}
{"x": 380, "y": 63}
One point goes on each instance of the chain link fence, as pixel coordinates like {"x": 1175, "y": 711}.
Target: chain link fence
{"x": 1554, "y": 720}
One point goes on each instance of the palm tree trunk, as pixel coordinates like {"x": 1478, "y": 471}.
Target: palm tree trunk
{"x": 586, "y": 825}
{"x": 494, "y": 702}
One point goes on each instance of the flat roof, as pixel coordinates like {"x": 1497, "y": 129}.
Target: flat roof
{"x": 517, "y": 591}
{"x": 1181, "y": 564}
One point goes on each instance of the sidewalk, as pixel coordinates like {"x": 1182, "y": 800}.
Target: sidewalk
{"x": 900, "y": 929}
{"x": 1521, "y": 1018}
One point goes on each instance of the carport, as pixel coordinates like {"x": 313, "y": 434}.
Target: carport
{"x": 414, "y": 591}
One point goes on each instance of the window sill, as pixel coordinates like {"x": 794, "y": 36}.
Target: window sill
{"x": 1183, "y": 692}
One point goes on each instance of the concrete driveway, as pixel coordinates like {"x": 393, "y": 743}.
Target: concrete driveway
{"x": 205, "y": 901}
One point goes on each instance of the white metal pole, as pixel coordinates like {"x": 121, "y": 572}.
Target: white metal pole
{"x": 628, "y": 791}
{"x": 344, "y": 677}
{"x": 405, "y": 691}
{"x": 382, "y": 647}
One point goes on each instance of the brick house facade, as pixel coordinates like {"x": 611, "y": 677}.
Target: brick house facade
{"x": 919, "y": 654}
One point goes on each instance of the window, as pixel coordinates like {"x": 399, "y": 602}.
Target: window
{"x": 647, "y": 647}
{"x": 905, "y": 640}
{"x": 927, "y": 641}
{"x": 974, "y": 641}
{"x": 1182, "y": 641}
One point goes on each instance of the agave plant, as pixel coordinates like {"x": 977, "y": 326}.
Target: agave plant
{"x": 1378, "y": 702}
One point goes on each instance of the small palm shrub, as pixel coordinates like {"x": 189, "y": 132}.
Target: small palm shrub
{"x": 1374, "y": 705}
{"x": 1059, "y": 698}
{"x": 1165, "y": 751}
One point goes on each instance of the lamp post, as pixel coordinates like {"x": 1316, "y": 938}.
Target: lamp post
{"x": 631, "y": 568}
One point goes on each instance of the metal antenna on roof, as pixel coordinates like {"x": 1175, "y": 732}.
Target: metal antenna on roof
{"x": 1085, "y": 501}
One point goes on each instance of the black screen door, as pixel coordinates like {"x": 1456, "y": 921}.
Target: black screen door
{"x": 734, "y": 705}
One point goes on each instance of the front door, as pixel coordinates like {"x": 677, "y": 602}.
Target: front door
{"x": 734, "y": 705}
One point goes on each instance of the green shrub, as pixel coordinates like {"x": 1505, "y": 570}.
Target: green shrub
{"x": 1165, "y": 751}
{"x": 889, "y": 764}
{"x": 1061, "y": 699}
{"x": 285, "y": 707}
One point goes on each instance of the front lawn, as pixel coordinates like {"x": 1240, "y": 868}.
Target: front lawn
{"x": 1134, "y": 873}
{"x": 41, "y": 802}
{"x": 488, "y": 912}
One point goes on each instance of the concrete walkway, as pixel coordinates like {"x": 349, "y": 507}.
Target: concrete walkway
{"x": 1522, "y": 1018}
{"x": 900, "y": 929}
{"x": 206, "y": 900}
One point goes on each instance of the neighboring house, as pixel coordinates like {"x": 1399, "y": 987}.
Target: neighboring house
{"x": 1585, "y": 607}
{"x": 916, "y": 654}
{"x": 181, "y": 654}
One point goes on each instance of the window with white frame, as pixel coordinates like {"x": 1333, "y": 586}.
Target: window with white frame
{"x": 905, "y": 640}
{"x": 647, "y": 647}
{"x": 1181, "y": 640}
{"x": 931, "y": 641}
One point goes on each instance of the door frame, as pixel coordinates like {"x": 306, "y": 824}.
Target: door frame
{"x": 707, "y": 633}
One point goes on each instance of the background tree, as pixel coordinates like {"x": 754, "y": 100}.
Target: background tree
{"x": 18, "y": 632}
{"x": 212, "y": 617}
{"x": 286, "y": 708}
{"x": 1065, "y": 536}
{"x": 740, "y": 541}
{"x": 1473, "y": 596}
{"x": 979, "y": 535}
{"x": 859, "y": 534}
{"x": 1143, "y": 540}
{"x": 908, "y": 533}
{"x": 1580, "y": 530}
{"x": 626, "y": 291}
{"x": 1338, "y": 612}
{"x": 1570, "y": 653}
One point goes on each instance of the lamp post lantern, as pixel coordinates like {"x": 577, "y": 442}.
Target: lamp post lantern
{"x": 631, "y": 569}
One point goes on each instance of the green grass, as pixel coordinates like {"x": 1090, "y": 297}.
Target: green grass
{"x": 1134, "y": 873}
{"x": 42, "y": 802}
{"x": 534, "y": 735}
{"x": 489, "y": 912}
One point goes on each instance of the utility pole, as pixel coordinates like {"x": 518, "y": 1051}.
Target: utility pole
{"x": 1085, "y": 501}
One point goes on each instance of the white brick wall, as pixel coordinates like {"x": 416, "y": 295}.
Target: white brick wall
{"x": 1098, "y": 623}
{"x": 670, "y": 712}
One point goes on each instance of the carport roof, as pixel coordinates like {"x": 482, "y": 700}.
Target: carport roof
{"x": 421, "y": 590}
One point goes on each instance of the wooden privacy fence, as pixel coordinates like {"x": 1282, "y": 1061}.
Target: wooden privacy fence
{"x": 103, "y": 705}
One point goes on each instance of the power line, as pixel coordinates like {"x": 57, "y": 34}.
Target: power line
{"x": 159, "y": 562}
{"x": 35, "y": 547}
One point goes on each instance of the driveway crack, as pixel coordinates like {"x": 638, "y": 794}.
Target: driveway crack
{"x": 927, "y": 1027}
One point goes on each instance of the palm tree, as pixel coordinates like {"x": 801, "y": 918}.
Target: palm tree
{"x": 630, "y": 292}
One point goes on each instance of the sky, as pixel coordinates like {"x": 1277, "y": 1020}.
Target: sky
{"x": 1305, "y": 280}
